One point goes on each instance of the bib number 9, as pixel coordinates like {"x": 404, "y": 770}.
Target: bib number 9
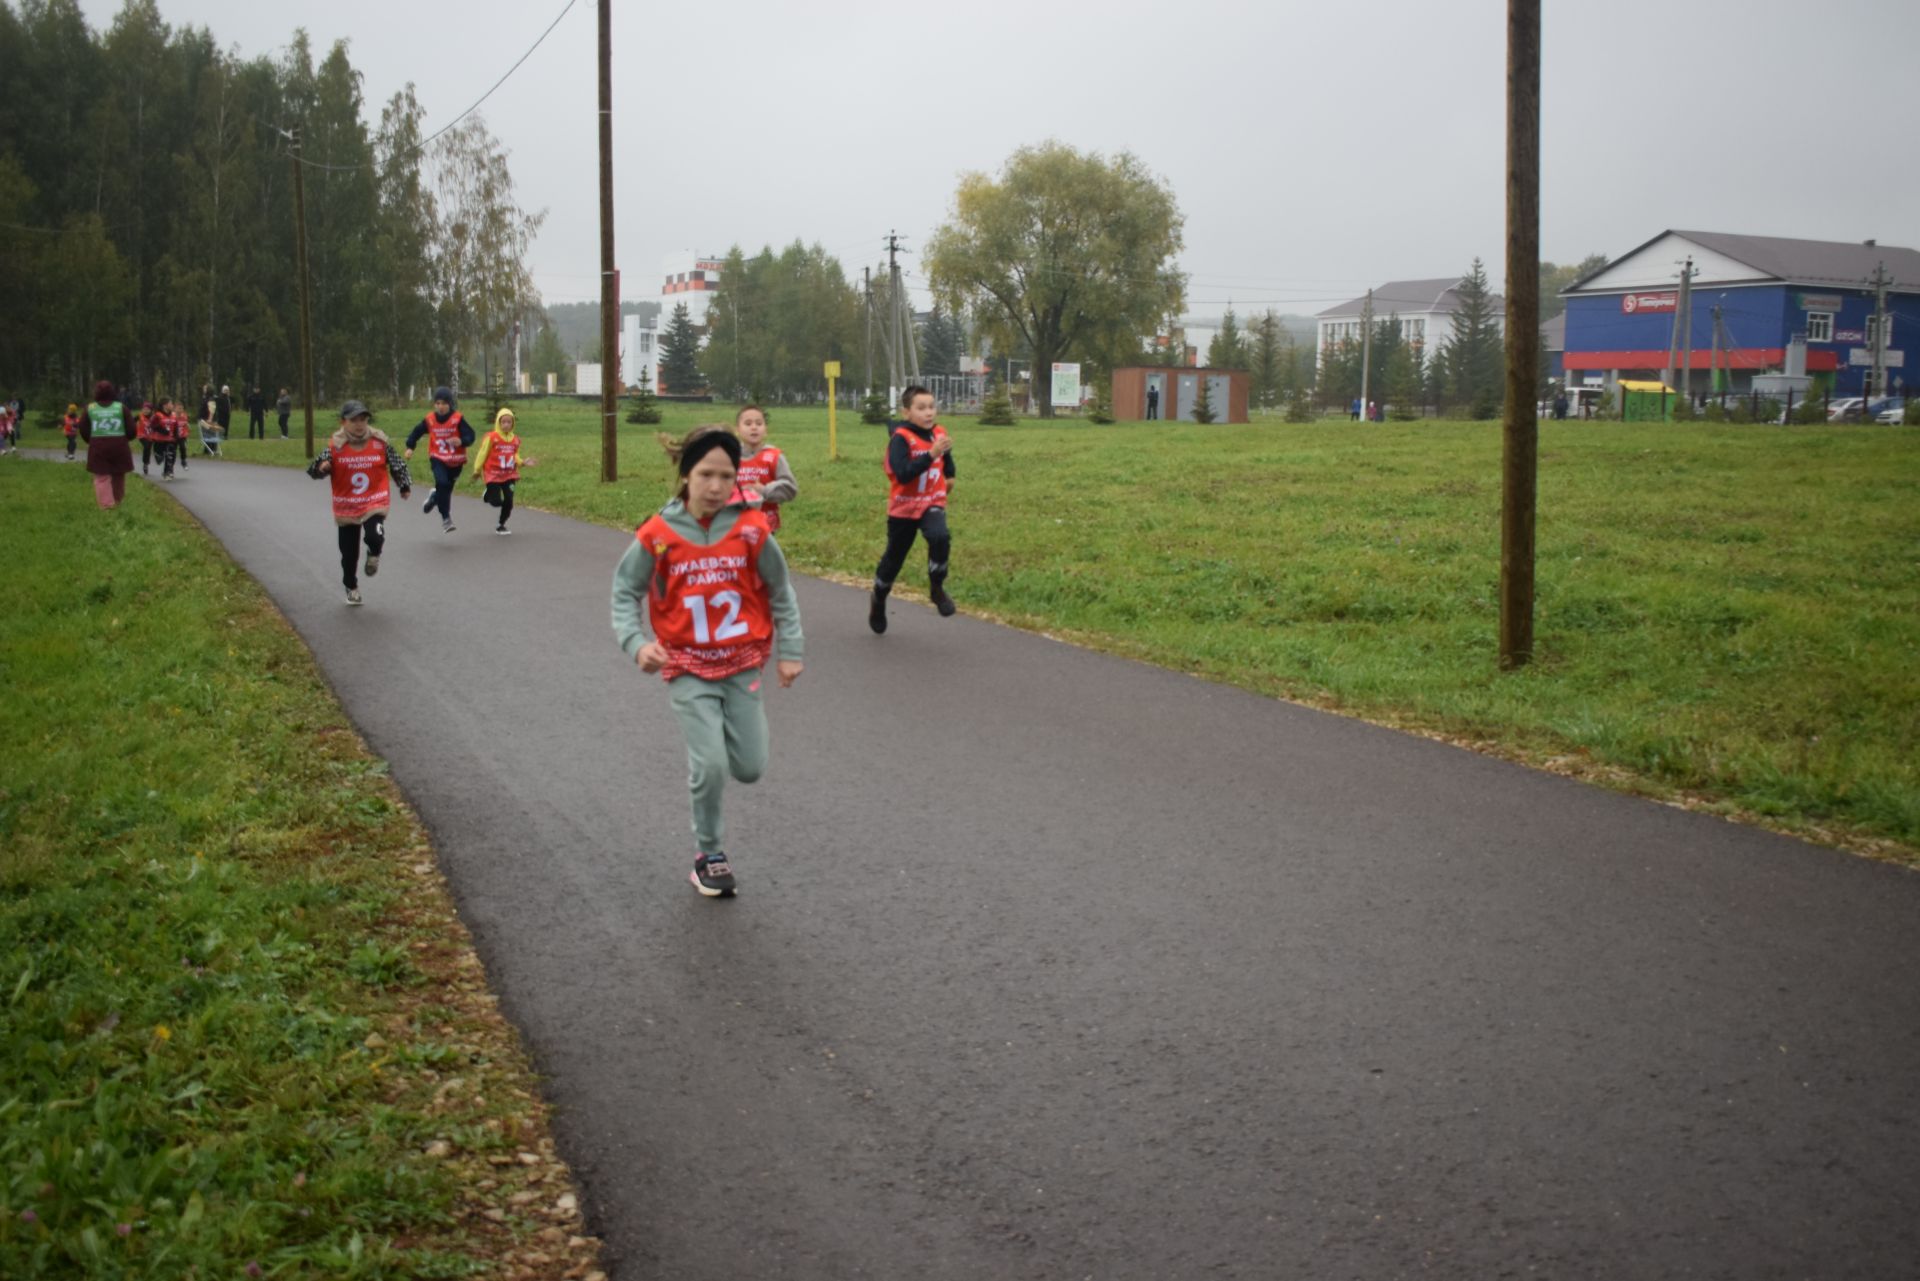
{"x": 360, "y": 483}
{"x": 730, "y": 625}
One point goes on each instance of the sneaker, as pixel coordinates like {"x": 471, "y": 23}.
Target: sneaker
{"x": 373, "y": 565}
{"x": 353, "y": 595}
{"x": 942, "y": 602}
{"x": 428, "y": 505}
{"x": 877, "y": 611}
{"x": 712, "y": 875}
{"x": 446, "y": 524}
{"x": 501, "y": 529}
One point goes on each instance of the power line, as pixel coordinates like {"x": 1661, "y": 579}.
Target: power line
{"x": 426, "y": 142}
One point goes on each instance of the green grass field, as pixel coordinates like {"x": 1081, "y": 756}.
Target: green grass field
{"x": 1727, "y": 615}
{"x": 242, "y": 1032}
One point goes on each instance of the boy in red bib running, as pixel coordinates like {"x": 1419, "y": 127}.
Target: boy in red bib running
{"x": 920, "y": 466}
{"x": 765, "y": 479}
{"x": 359, "y": 461}
{"x": 709, "y": 578}
{"x": 448, "y": 435}
{"x": 498, "y": 463}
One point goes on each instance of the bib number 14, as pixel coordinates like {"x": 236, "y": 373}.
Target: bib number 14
{"x": 730, "y": 625}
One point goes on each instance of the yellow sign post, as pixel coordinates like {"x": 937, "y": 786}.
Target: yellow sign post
{"x": 833, "y": 422}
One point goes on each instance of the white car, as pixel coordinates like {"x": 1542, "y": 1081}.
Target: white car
{"x": 1838, "y": 410}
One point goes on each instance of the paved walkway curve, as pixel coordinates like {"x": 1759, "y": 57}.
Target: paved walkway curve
{"x": 1052, "y": 965}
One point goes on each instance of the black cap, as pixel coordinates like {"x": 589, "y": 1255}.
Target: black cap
{"x": 355, "y": 409}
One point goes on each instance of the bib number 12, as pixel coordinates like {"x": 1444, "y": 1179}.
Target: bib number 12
{"x": 730, "y": 624}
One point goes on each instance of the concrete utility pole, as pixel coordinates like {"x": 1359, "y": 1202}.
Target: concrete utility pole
{"x": 1520, "y": 458}
{"x": 306, "y": 300}
{"x": 1880, "y": 282}
{"x": 1366, "y": 355}
{"x": 1685, "y": 333}
{"x": 903, "y": 358}
{"x": 866, "y": 290}
{"x": 609, "y": 278}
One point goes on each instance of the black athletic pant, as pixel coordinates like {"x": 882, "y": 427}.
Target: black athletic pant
{"x": 376, "y": 537}
{"x": 283, "y": 426}
{"x": 163, "y": 450}
{"x": 72, "y": 441}
{"x": 500, "y": 494}
{"x": 256, "y": 424}
{"x": 445, "y": 477}
{"x": 900, "y": 533}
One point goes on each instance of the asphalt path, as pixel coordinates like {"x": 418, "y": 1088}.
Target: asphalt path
{"x": 1047, "y": 964}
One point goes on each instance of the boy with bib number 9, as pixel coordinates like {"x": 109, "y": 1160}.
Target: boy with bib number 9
{"x": 707, "y": 575}
{"x": 920, "y": 466}
{"x": 359, "y": 461}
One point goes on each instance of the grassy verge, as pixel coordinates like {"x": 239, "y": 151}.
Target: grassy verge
{"x": 242, "y": 1032}
{"x": 1727, "y": 615}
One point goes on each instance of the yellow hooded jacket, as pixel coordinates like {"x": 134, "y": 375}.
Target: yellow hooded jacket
{"x": 486, "y": 443}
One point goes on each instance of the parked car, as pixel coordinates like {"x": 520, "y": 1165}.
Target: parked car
{"x": 1855, "y": 412}
{"x": 1893, "y": 411}
{"x": 1838, "y": 410}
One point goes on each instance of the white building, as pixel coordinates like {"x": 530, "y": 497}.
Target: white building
{"x": 639, "y": 351}
{"x": 1425, "y": 309}
{"x": 691, "y": 279}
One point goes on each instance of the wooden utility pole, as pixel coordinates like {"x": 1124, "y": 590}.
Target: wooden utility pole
{"x": 1366, "y": 358}
{"x": 306, "y": 300}
{"x": 609, "y": 278}
{"x": 1520, "y": 461}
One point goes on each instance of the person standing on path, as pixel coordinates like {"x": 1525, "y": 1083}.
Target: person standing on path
{"x": 109, "y": 458}
{"x": 70, "y": 428}
{"x": 765, "y": 479}
{"x": 920, "y": 465}
{"x": 223, "y": 410}
{"x": 448, "y": 437}
{"x": 359, "y": 461}
{"x": 284, "y": 408}
{"x": 256, "y": 414}
{"x": 706, "y": 573}
{"x": 498, "y": 464}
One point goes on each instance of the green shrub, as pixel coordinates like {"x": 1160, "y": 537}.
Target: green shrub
{"x": 874, "y": 409}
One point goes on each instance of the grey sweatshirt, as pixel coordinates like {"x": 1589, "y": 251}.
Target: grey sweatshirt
{"x": 634, "y": 576}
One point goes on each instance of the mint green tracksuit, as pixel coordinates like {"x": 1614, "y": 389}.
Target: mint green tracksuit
{"x": 723, "y": 721}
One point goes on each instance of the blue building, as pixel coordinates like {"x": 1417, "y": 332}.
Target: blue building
{"x": 1767, "y": 290}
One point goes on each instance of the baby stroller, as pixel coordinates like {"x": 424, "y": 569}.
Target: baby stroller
{"x": 209, "y": 438}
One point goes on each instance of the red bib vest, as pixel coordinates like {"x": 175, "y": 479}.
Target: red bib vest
{"x": 762, "y": 469}
{"x": 69, "y": 424}
{"x": 360, "y": 479}
{"x": 503, "y": 459}
{"x": 707, "y": 604}
{"x": 915, "y": 498}
{"x": 443, "y": 439}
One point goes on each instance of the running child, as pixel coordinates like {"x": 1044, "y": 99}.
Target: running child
{"x": 182, "y": 432}
{"x": 146, "y": 428}
{"x": 707, "y": 576}
{"x": 920, "y": 464}
{"x": 498, "y": 464}
{"x": 448, "y": 437}
{"x": 70, "y": 428}
{"x": 166, "y": 438}
{"x": 6, "y": 428}
{"x": 765, "y": 479}
{"x": 359, "y": 460}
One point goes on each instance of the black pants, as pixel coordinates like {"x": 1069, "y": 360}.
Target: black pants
{"x": 900, "y": 533}
{"x": 445, "y": 477}
{"x": 146, "y": 454}
{"x": 283, "y": 425}
{"x": 375, "y": 528}
{"x": 72, "y": 441}
{"x": 163, "y": 450}
{"x": 256, "y": 424}
{"x": 500, "y": 494}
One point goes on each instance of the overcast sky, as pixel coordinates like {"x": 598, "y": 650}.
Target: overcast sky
{"x": 1315, "y": 148}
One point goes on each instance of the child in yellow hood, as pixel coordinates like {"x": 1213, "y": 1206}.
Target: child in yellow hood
{"x": 498, "y": 464}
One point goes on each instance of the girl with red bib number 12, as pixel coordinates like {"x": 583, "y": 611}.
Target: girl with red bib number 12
{"x": 707, "y": 577}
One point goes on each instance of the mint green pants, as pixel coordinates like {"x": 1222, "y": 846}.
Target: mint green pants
{"x": 725, "y": 726}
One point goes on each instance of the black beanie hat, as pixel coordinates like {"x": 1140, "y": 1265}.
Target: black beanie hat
{"x": 444, "y": 393}
{"x": 703, "y": 444}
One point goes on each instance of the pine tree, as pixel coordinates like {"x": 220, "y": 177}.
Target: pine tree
{"x": 996, "y": 408}
{"x": 1299, "y": 405}
{"x": 1101, "y": 408}
{"x": 1227, "y": 351}
{"x": 645, "y": 408}
{"x": 1473, "y": 356}
{"x": 1268, "y": 360}
{"x": 1203, "y": 403}
{"x": 874, "y": 408}
{"x": 680, "y": 355}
